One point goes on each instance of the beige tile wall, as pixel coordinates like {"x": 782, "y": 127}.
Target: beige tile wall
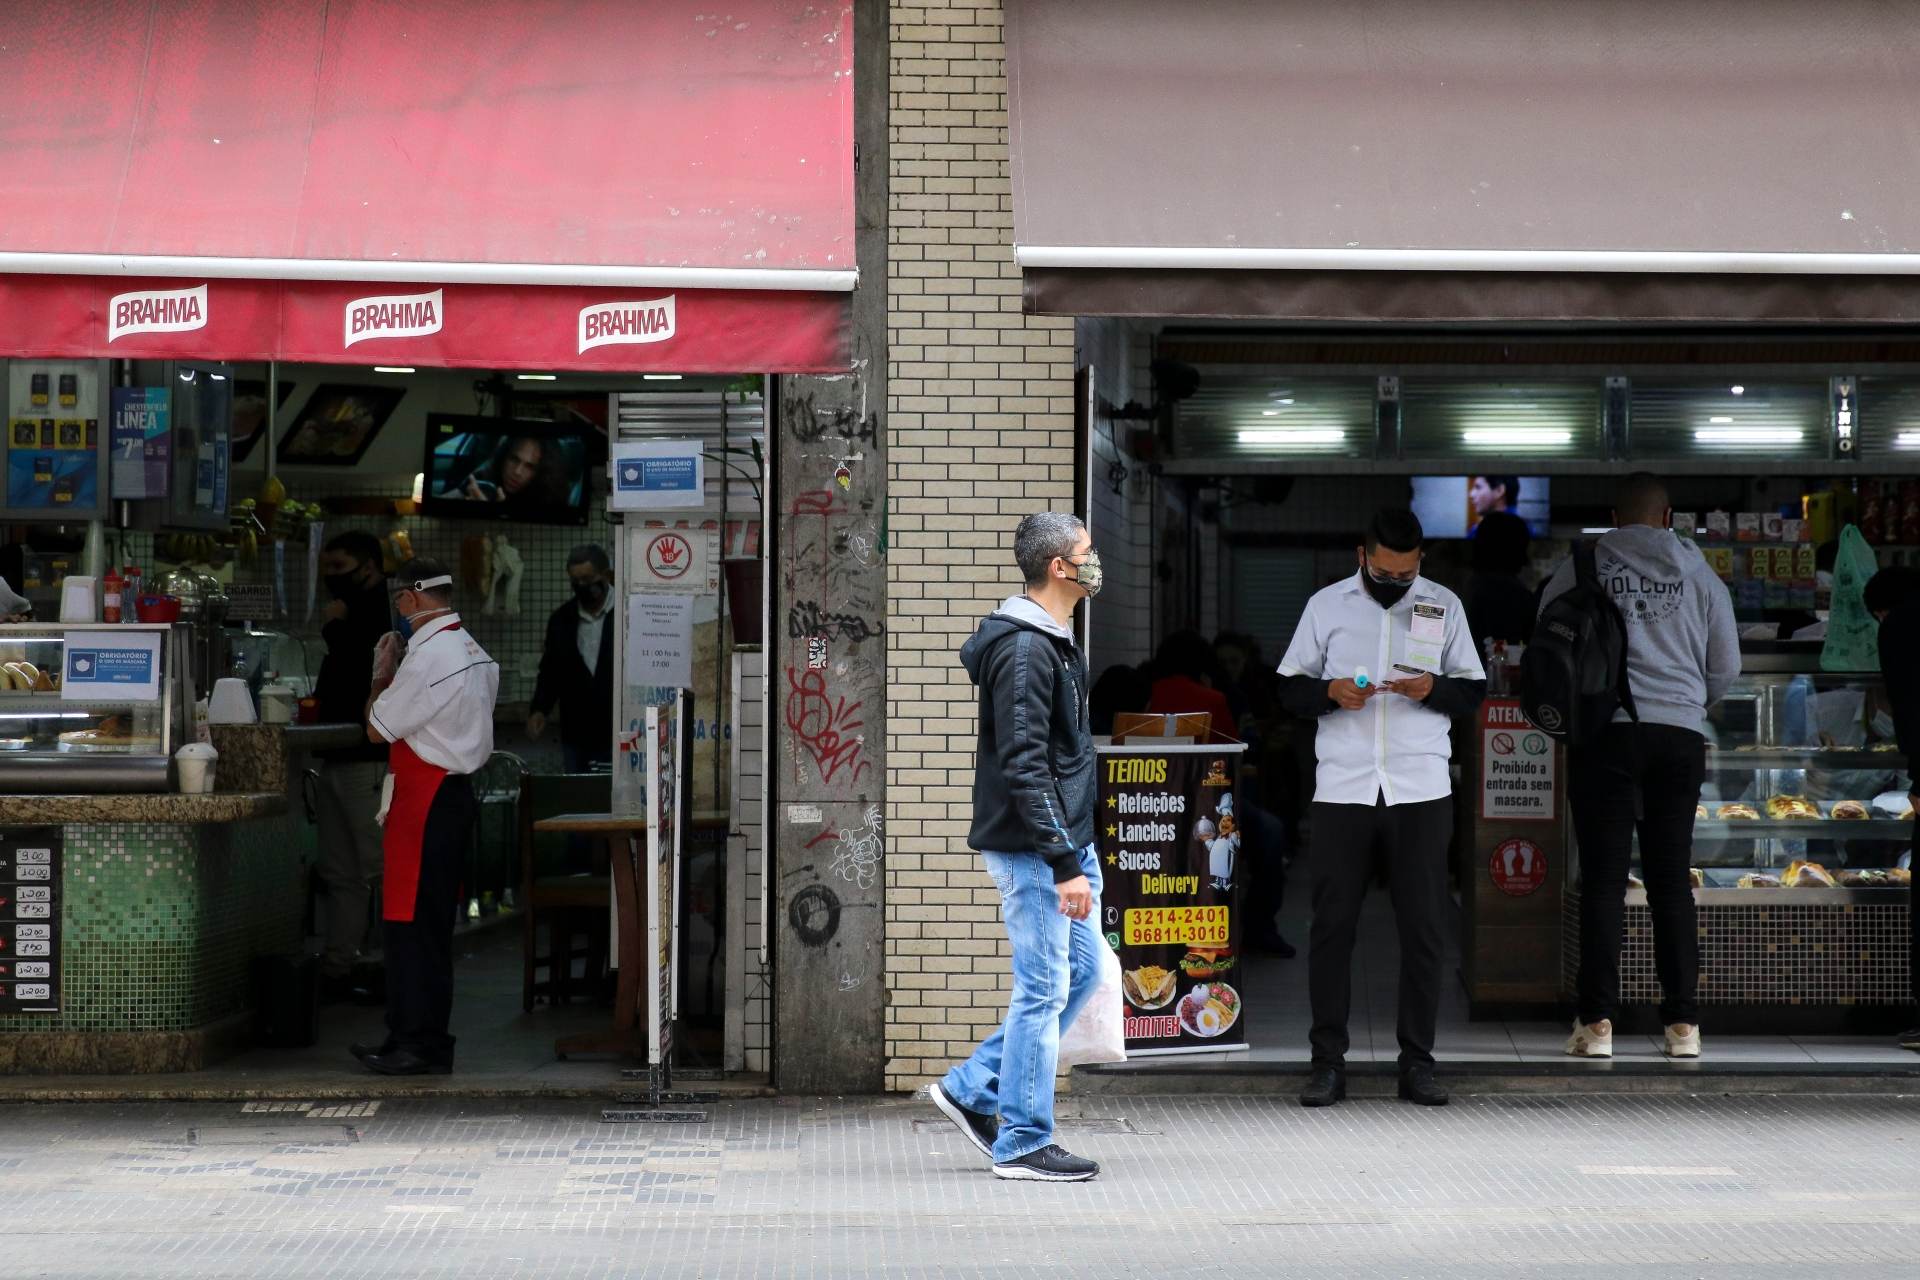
{"x": 980, "y": 423}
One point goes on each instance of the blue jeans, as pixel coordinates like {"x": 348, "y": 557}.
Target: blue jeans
{"x": 1056, "y": 966}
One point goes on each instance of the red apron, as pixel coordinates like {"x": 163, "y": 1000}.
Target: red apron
{"x": 415, "y": 784}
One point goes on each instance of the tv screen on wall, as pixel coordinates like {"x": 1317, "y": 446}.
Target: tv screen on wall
{"x": 505, "y": 469}
{"x": 1453, "y": 506}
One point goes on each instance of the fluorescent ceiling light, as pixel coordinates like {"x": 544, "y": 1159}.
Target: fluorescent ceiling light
{"x": 393, "y": 368}
{"x": 1749, "y": 435}
{"x": 1269, "y": 413}
{"x": 538, "y": 377}
{"x": 1517, "y": 435}
{"x": 1720, "y": 419}
{"x": 1283, "y": 399}
{"x": 218, "y": 377}
{"x": 1598, "y": 529}
{"x": 1295, "y": 435}
{"x": 660, "y": 377}
{"x": 1908, "y": 440}
{"x": 1737, "y": 389}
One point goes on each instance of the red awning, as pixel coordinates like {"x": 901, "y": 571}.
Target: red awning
{"x": 498, "y": 183}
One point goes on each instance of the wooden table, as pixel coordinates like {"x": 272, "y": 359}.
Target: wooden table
{"x": 627, "y": 1036}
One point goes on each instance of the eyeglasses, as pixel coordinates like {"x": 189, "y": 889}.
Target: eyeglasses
{"x": 1392, "y": 579}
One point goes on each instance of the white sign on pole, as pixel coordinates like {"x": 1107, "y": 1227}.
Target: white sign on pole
{"x": 658, "y": 475}
{"x": 1516, "y": 764}
{"x": 660, "y": 641}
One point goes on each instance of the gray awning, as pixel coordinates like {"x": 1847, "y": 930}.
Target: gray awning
{"x": 1480, "y": 160}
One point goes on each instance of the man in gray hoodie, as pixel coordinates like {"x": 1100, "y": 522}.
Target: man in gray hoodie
{"x": 1683, "y": 652}
{"x": 1033, "y": 802}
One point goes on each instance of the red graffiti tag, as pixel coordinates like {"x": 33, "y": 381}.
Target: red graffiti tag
{"x": 826, "y": 726}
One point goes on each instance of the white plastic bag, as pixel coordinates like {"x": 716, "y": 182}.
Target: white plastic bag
{"x": 1099, "y": 1033}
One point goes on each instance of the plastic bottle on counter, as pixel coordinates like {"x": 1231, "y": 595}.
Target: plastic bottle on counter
{"x": 111, "y": 588}
{"x": 130, "y": 594}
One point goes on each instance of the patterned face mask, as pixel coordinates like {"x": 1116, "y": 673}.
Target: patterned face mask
{"x": 1088, "y": 573}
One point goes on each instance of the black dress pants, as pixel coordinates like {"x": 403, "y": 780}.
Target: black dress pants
{"x": 1346, "y": 840}
{"x": 420, "y": 950}
{"x": 1665, "y": 766}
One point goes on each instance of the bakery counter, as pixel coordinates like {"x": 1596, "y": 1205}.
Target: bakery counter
{"x": 158, "y": 807}
{"x": 130, "y": 921}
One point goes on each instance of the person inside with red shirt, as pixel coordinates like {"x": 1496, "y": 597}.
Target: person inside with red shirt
{"x": 1183, "y": 682}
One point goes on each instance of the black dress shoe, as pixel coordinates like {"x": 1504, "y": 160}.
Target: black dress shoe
{"x": 1326, "y": 1086}
{"x": 1418, "y": 1085}
{"x": 365, "y": 1051}
{"x": 1272, "y": 943}
{"x": 405, "y": 1062}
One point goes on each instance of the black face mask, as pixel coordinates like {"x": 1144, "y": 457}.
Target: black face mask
{"x": 1386, "y": 594}
{"x": 590, "y": 594}
{"x": 342, "y": 585}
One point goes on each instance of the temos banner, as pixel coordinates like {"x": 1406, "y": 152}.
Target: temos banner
{"x": 1169, "y": 845}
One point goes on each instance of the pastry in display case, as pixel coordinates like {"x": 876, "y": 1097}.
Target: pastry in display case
{"x": 88, "y": 708}
{"x": 1804, "y": 788}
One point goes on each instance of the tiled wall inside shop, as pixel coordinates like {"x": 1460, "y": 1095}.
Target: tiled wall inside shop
{"x": 980, "y": 422}
{"x": 1775, "y": 951}
{"x": 159, "y": 921}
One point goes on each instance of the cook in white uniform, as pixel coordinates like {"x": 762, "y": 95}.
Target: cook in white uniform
{"x": 1385, "y": 661}
{"x": 436, "y": 709}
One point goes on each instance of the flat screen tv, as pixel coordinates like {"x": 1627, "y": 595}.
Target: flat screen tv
{"x": 505, "y": 469}
{"x": 1453, "y": 506}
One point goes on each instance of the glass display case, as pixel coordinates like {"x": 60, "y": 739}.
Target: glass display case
{"x": 1805, "y": 787}
{"x": 89, "y": 708}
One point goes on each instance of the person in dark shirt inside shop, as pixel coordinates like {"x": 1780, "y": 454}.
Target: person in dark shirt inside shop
{"x": 576, "y": 664}
{"x": 350, "y": 778}
{"x": 1499, "y": 605}
{"x": 1183, "y": 681}
{"x": 1893, "y": 597}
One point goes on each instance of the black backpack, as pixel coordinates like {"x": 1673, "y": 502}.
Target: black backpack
{"x": 1573, "y": 676}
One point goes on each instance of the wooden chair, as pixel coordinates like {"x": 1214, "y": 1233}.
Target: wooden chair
{"x": 574, "y": 907}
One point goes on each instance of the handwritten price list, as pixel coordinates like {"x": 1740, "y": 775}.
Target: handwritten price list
{"x": 30, "y": 920}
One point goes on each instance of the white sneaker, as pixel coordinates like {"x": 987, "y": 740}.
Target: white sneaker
{"x": 1591, "y": 1041}
{"x": 1683, "y": 1040}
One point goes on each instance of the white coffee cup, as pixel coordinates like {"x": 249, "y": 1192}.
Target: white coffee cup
{"x": 194, "y": 763}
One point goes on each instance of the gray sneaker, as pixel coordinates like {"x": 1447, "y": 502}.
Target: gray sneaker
{"x": 979, "y": 1129}
{"x": 1048, "y": 1164}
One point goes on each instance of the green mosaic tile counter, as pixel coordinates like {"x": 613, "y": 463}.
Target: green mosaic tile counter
{"x": 159, "y": 923}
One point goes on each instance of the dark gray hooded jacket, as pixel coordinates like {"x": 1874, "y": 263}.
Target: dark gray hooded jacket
{"x": 1033, "y": 781}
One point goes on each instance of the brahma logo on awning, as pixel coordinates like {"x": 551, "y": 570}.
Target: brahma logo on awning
{"x": 411, "y": 315}
{"x": 623, "y": 322}
{"x": 156, "y": 311}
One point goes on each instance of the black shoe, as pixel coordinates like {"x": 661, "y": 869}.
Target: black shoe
{"x": 1910, "y": 1038}
{"x": 1272, "y": 943}
{"x": 365, "y": 1051}
{"x": 1417, "y": 1085}
{"x": 1326, "y": 1086}
{"x": 405, "y": 1062}
{"x": 979, "y": 1129}
{"x": 1048, "y": 1164}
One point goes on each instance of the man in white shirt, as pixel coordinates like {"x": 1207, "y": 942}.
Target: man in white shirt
{"x": 1385, "y": 661}
{"x": 434, "y": 705}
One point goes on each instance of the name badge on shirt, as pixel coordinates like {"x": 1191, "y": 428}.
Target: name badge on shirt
{"x": 1426, "y": 635}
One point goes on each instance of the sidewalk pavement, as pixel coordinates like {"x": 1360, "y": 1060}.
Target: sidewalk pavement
{"x": 1496, "y": 1185}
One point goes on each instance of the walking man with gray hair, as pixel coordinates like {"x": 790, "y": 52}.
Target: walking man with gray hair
{"x": 1033, "y": 814}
